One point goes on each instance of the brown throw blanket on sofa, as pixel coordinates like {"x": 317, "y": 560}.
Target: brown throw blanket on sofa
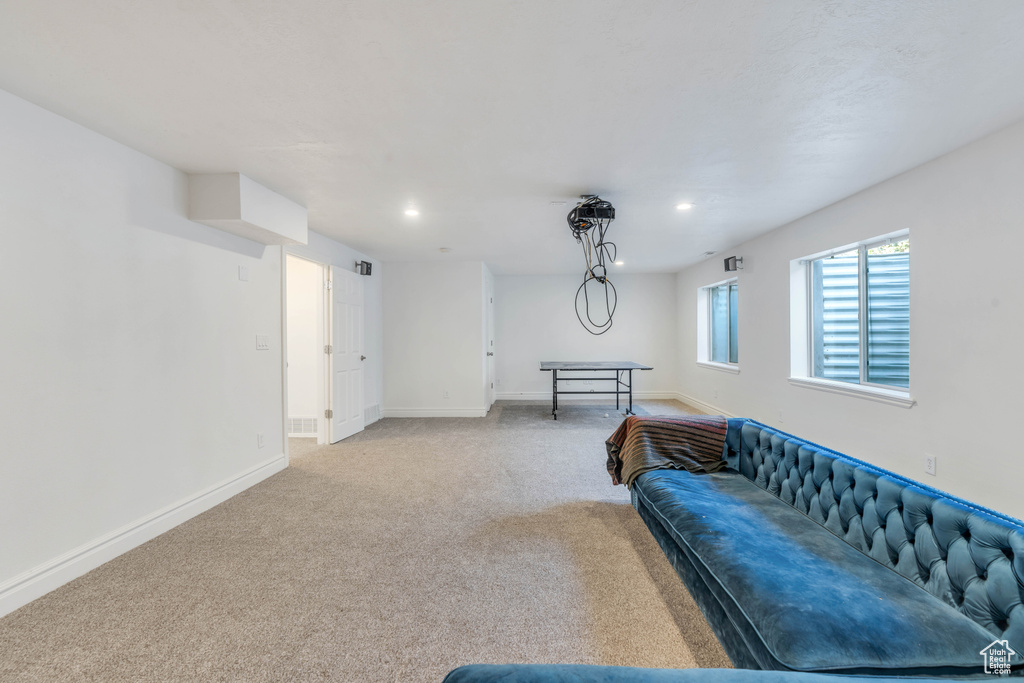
{"x": 641, "y": 444}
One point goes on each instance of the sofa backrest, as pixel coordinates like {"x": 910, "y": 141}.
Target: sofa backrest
{"x": 970, "y": 557}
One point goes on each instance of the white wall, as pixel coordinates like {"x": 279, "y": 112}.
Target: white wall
{"x": 433, "y": 339}
{"x": 305, "y": 332}
{"x": 965, "y": 213}
{"x": 325, "y": 250}
{"x": 131, "y": 390}
{"x": 536, "y": 321}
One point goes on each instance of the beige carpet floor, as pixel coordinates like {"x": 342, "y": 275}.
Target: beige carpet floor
{"x": 398, "y": 554}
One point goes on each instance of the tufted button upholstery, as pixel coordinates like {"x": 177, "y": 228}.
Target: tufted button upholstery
{"x": 969, "y": 557}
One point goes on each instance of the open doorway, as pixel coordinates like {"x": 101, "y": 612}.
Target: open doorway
{"x": 306, "y": 334}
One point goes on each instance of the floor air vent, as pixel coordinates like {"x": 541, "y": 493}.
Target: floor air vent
{"x": 302, "y": 426}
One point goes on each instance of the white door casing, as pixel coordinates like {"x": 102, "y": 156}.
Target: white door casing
{"x": 489, "y": 341}
{"x": 347, "y": 354}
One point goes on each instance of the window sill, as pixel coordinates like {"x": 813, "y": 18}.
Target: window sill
{"x": 721, "y": 367}
{"x": 890, "y": 396}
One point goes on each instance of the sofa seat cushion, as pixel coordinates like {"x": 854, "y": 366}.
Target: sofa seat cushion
{"x": 812, "y": 601}
{"x": 589, "y": 673}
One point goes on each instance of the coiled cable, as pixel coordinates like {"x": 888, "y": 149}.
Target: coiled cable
{"x": 590, "y": 232}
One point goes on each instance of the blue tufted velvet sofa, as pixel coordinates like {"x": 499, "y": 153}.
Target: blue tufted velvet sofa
{"x": 818, "y": 568}
{"x": 805, "y": 560}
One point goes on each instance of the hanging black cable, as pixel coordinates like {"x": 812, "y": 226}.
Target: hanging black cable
{"x": 589, "y": 221}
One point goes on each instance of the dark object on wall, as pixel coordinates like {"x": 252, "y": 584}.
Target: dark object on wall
{"x": 364, "y": 267}
{"x": 589, "y": 221}
{"x": 733, "y": 263}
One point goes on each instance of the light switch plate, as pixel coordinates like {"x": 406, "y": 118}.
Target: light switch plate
{"x": 262, "y": 342}
{"x": 243, "y": 273}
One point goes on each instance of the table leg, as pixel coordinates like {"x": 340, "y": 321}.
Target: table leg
{"x": 554, "y": 394}
{"x": 631, "y": 392}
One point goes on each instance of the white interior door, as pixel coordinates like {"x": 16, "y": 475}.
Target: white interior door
{"x": 489, "y": 389}
{"x": 347, "y": 353}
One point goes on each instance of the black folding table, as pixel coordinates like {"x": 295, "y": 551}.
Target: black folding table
{"x": 617, "y": 366}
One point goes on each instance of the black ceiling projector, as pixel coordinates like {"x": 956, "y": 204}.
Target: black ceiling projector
{"x": 599, "y": 211}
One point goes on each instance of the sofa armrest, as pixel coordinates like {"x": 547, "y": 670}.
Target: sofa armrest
{"x": 733, "y": 432}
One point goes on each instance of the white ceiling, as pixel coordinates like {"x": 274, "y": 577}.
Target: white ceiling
{"x": 482, "y": 113}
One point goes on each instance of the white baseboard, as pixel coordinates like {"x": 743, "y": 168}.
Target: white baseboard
{"x": 523, "y": 396}
{"x": 435, "y": 412}
{"x": 40, "y": 580}
{"x": 546, "y": 396}
{"x": 697, "y": 403}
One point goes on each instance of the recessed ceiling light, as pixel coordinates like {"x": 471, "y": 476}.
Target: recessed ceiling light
{"x": 412, "y": 212}
{"x": 685, "y": 206}
{"x": 619, "y": 263}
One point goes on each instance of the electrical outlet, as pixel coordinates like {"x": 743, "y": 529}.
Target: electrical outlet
{"x": 259, "y": 440}
{"x": 446, "y": 393}
{"x": 929, "y": 465}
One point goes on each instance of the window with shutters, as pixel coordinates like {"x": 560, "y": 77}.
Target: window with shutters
{"x": 858, "y": 315}
{"x": 718, "y": 343}
{"x": 725, "y": 343}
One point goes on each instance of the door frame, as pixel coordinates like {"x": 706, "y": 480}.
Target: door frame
{"x": 323, "y": 384}
{"x": 489, "y": 391}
